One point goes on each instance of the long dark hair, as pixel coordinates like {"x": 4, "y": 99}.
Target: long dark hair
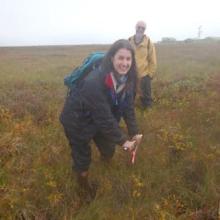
{"x": 107, "y": 65}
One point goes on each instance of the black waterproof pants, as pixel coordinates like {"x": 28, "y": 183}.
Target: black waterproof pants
{"x": 81, "y": 149}
{"x": 146, "y": 98}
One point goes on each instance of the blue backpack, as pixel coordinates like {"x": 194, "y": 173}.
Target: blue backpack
{"x": 91, "y": 62}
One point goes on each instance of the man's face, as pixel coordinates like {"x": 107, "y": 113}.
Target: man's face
{"x": 140, "y": 29}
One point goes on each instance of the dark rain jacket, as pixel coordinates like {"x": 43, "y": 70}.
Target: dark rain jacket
{"x": 89, "y": 109}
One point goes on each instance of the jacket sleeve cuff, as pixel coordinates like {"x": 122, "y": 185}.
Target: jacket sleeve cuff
{"x": 122, "y": 141}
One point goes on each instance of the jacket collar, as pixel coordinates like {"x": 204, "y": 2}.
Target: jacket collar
{"x": 142, "y": 43}
{"x": 111, "y": 83}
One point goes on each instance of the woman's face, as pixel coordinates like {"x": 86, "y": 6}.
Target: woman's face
{"x": 122, "y": 61}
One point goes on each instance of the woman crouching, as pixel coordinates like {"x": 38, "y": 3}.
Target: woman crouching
{"x": 94, "y": 108}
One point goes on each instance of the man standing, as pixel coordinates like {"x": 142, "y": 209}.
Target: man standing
{"x": 146, "y": 62}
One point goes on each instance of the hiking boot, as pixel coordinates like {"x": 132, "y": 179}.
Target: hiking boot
{"x": 86, "y": 191}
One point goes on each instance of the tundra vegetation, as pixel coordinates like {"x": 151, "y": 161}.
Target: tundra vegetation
{"x": 176, "y": 173}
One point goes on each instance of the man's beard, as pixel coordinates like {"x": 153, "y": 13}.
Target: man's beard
{"x": 138, "y": 37}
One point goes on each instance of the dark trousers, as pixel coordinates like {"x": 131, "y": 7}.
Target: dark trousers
{"x": 145, "y": 86}
{"x": 81, "y": 150}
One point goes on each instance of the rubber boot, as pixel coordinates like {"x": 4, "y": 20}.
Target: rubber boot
{"x": 86, "y": 191}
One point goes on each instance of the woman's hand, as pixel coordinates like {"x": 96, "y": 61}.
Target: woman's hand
{"x": 137, "y": 138}
{"x": 129, "y": 145}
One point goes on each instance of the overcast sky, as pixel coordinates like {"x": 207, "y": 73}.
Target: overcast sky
{"x": 49, "y": 22}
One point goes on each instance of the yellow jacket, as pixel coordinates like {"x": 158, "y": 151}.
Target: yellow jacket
{"x": 145, "y": 56}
